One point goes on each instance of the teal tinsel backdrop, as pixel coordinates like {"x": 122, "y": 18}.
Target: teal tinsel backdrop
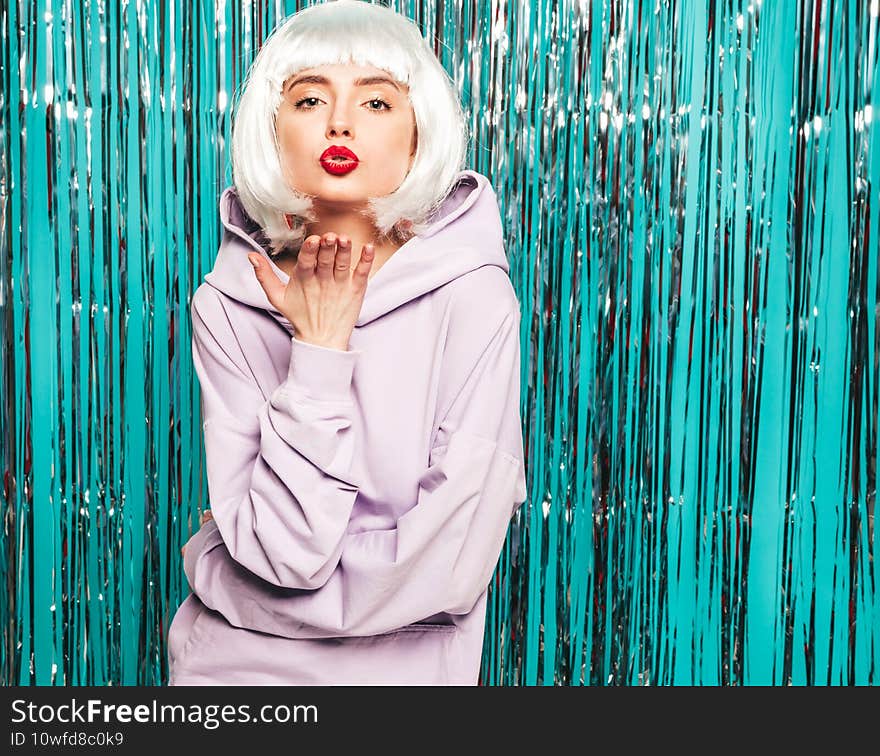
{"x": 691, "y": 196}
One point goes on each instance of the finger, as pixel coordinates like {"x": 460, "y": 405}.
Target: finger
{"x": 342, "y": 269}
{"x": 268, "y": 280}
{"x": 182, "y": 550}
{"x": 326, "y": 257}
{"x": 362, "y": 271}
{"x": 307, "y": 257}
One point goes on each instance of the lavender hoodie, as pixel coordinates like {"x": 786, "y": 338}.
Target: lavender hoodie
{"x": 361, "y": 498}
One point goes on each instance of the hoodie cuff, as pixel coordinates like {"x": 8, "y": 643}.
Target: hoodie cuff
{"x": 321, "y": 372}
{"x": 207, "y": 536}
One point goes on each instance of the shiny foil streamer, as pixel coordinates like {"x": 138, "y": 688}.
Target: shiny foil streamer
{"x": 690, "y": 196}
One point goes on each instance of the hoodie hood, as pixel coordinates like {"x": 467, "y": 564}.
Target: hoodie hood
{"x": 465, "y": 233}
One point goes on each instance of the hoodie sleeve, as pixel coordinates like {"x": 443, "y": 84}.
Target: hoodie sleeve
{"x": 442, "y": 553}
{"x": 278, "y": 468}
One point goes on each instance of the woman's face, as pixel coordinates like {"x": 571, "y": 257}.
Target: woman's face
{"x": 358, "y": 107}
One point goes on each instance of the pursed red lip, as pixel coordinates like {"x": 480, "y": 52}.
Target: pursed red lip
{"x": 338, "y": 160}
{"x": 338, "y": 151}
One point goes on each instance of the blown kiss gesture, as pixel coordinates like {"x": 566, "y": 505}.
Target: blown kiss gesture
{"x": 323, "y": 298}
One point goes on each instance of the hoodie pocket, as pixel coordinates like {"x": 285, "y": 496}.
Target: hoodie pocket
{"x": 210, "y": 651}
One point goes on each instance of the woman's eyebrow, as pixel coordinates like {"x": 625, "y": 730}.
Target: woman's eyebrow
{"x": 362, "y": 82}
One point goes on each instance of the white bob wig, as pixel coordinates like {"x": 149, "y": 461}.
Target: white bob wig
{"x": 346, "y": 31}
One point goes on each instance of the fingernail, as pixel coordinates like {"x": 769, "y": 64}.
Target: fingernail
{"x": 254, "y": 261}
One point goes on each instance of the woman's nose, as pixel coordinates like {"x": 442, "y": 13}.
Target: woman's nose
{"x": 335, "y": 128}
{"x": 340, "y": 121}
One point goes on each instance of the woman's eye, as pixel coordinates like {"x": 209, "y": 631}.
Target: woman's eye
{"x": 302, "y": 106}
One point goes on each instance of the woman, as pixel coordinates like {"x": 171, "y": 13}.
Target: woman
{"x": 361, "y": 420}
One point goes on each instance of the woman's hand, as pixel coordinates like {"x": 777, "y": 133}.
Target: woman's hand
{"x": 323, "y": 298}
{"x": 203, "y": 518}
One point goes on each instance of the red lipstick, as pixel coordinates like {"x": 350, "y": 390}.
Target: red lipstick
{"x": 338, "y": 160}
